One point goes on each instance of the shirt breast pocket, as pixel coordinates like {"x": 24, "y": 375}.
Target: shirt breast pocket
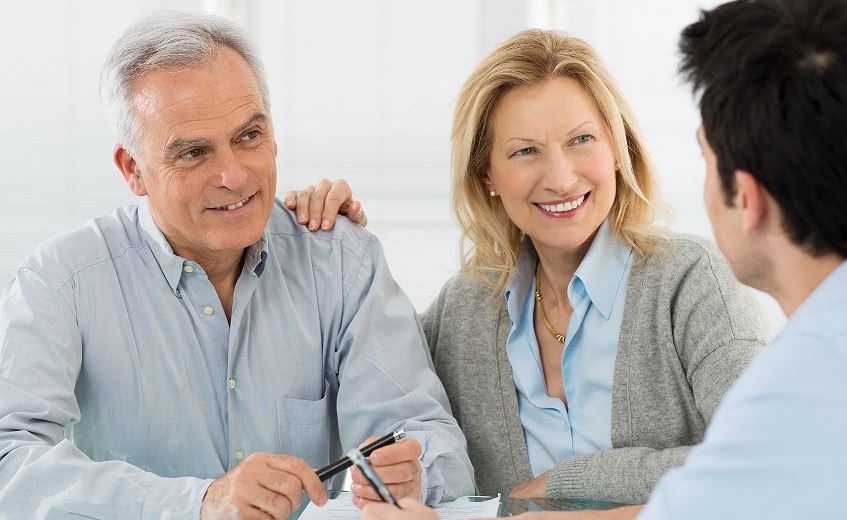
{"x": 304, "y": 428}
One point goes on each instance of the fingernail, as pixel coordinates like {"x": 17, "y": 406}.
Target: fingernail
{"x": 313, "y": 224}
{"x": 355, "y": 488}
{"x": 301, "y": 218}
{"x": 289, "y": 203}
{"x": 325, "y": 224}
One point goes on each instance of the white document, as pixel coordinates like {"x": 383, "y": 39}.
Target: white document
{"x": 343, "y": 508}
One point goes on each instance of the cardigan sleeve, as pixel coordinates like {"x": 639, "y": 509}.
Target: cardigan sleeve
{"x": 717, "y": 329}
{"x": 431, "y": 317}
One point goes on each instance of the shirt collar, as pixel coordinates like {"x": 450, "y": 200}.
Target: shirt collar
{"x": 603, "y": 269}
{"x": 600, "y": 272}
{"x": 521, "y": 278}
{"x": 828, "y": 294}
{"x": 172, "y": 265}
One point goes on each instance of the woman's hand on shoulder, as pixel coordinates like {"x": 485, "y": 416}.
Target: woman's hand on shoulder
{"x": 318, "y": 205}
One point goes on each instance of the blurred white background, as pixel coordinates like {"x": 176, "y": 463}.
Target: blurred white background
{"x": 360, "y": 89}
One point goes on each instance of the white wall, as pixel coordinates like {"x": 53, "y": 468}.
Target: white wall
{"x": 360, "y": 89}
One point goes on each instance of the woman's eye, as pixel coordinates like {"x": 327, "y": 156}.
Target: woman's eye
{"x": 524, "y": 151}
{"x": 584, "y": 138}
{"x": 192, "y": 154}
{"x": 249, "y": 136}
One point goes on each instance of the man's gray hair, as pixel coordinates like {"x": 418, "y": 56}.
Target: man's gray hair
{"x": 167, "y": 40}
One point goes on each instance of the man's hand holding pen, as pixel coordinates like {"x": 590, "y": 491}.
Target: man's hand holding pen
{"x": 263, "y": 485}
{"x": 399, "y": 467}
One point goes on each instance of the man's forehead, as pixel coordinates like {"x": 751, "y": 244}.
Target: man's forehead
{"x": 190, "y": 89}
{"x": 224, "y": 78}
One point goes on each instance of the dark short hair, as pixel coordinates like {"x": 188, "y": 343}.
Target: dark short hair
{"x": 772, "y": 79}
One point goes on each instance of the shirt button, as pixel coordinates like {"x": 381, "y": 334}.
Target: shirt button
{"x": 208, "y": 310}
{"x": 188, "y": 269}
{"x": 239, "y": 455}
{"x": 231, "y": 383}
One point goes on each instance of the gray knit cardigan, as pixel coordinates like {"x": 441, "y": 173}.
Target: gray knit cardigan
{"x": 689, "y": 329}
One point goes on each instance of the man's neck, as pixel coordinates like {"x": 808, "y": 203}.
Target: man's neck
{"x": 796, "y": 274}
{"x": 223, "y": 270}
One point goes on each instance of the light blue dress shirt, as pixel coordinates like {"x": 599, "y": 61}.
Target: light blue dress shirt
{"x": 597, "y": 293}
{"x": 777, "y": 445}
{"x": 124, "y": 390}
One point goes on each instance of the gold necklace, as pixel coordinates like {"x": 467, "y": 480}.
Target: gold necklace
{"x": 540, "y": 304}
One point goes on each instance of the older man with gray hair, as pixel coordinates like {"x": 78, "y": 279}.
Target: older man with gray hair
{"x": 202, "y": 353}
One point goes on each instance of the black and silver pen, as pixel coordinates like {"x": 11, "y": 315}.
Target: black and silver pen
{"x": 343, "y": 463}
{"x": 372, "y": 477}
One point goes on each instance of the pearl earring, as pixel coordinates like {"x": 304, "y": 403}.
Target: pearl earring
{"x": 492, "y": 193}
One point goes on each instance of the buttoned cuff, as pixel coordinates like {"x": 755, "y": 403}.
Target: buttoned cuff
{"x": 567, "y": 479}
{"x": 174, "y": 498}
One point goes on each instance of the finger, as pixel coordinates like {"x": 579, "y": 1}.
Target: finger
{"x": 362, "y": 503}
{"x": 283, "y": 484}
{"x": 415, "y": 506}
{"x": 364, "y": 491}
{"x": 405, "y": 450}
{"x": 302, "y": 199}
{"x": 396, "y": 473}
{"x": 308, "y": 478}
{"x": 291, "y": 200}
{"x": 339, "y": 194}
{"x": 411, "y": 509}
{"x": 274, "y": 504}
{"x": 393, "y": 474}
{"x": 251, "y": 513}
{"x": 368, "y": 441}
{"x": 404, "y": 489}
{"x": 356, "y": 213}
{"x": 317, "y": 202}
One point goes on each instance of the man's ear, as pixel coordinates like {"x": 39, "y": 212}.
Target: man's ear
{"x": 752, "y": 199}
{"x": 129, "y": 169}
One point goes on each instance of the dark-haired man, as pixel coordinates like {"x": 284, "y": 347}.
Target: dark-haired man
{"x": 772, "y": 75}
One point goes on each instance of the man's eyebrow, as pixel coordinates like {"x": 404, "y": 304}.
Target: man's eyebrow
{"x": 178, "y": 145}
{"x": 257, "y": 118}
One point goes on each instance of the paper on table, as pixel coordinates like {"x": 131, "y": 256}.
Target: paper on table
{"x": 343, "y": 508}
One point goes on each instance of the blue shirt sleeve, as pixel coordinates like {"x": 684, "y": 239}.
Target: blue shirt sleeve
{"x": 775, "y": 446}
{"x": 385, "y": 372}
{"x": 39, "y": 469}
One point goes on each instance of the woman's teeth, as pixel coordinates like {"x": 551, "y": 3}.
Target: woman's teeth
{"x": 563, "y": 206}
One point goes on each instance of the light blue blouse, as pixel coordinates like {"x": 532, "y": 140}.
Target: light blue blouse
{"x": 597, "y": 293}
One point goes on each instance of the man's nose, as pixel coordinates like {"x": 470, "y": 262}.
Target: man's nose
{"x": 232, "y": 173}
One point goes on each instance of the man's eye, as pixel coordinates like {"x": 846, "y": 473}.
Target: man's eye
{"x": 249, "y": 136}
{"x": 192, "y": 154}
{"x": 525, "y": 151}
{"x": 584, "y": 138}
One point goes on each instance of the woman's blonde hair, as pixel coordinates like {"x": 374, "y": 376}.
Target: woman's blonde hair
{"x": 490, "y": 240}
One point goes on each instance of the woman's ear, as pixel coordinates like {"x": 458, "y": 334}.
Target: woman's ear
{"x": 489, "y": 185}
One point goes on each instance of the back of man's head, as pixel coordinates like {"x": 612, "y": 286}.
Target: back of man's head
{"x": 772, "y": 75}
{"x": 167, "y": 40}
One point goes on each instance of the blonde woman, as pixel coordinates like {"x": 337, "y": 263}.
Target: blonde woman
{"x": 583, "y": 350}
